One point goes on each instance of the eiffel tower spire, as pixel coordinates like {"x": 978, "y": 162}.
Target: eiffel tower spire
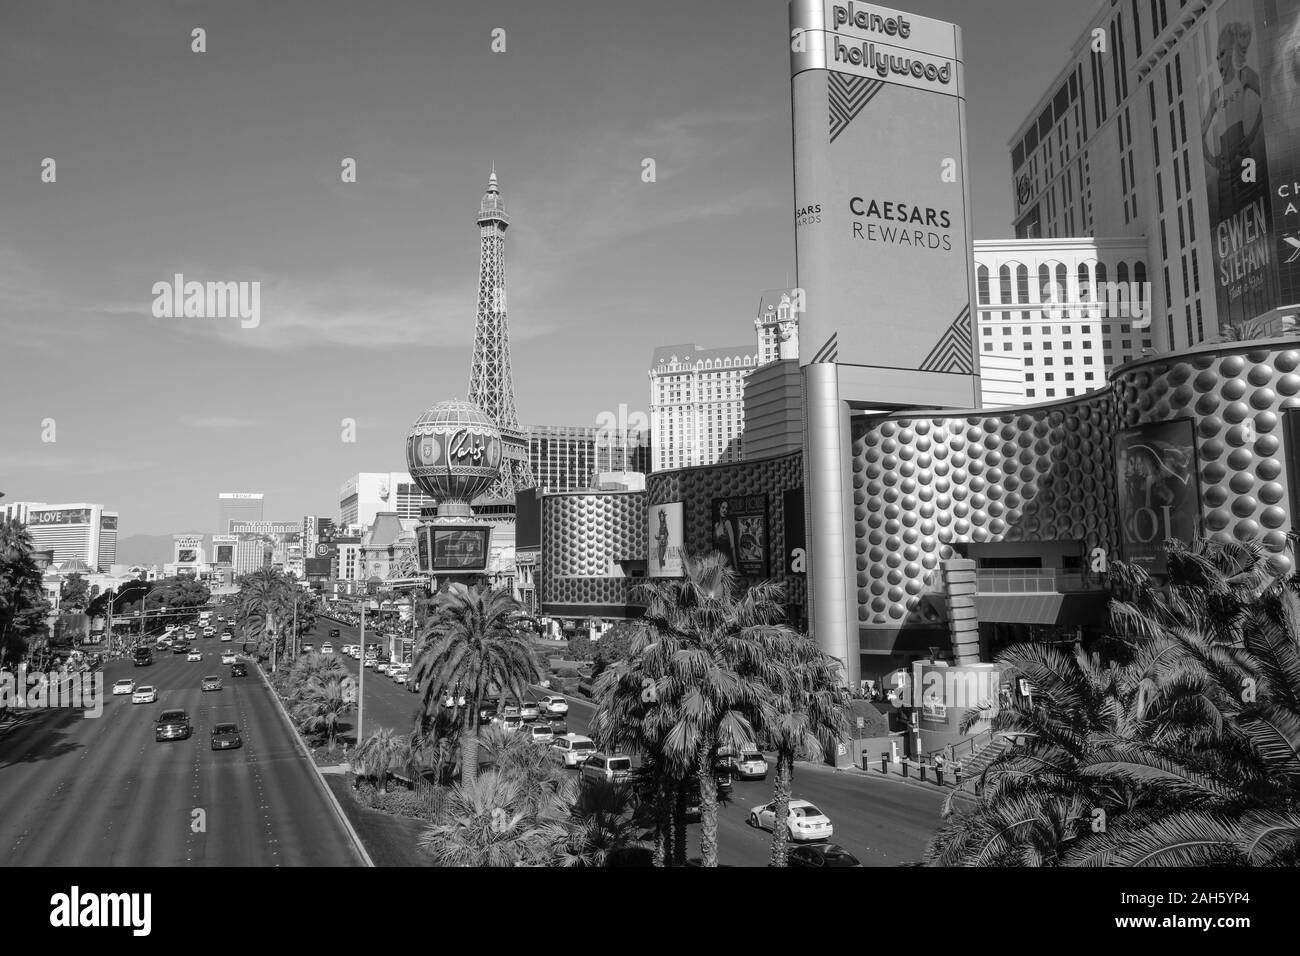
{"x": 491, "y": 382}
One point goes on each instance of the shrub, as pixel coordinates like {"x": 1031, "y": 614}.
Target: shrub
{"x": 580, "y": 649}
{"x": 421, "y": 804}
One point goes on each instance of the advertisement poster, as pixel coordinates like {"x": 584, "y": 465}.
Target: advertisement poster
{"x": 186, "y": 556}
{"x": 225, "y": 554}
{"x": 1158, "y": 495}
{"x": 739, "y": 533}
{"x": 460, "y": 549}
{"x": 1249, "y": 94}
{"x": 1279, "y": 26}
{"x": 881, "y": 199}
{"x": 796, "y": 547}
{"x": 666, "y": 540}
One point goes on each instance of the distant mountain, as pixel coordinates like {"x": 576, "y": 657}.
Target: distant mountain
{"x": 144, "y": 549}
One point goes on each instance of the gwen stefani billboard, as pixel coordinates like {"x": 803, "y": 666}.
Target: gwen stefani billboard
{"x": 1249, "y": 94}
{"x": 881, "y": 201}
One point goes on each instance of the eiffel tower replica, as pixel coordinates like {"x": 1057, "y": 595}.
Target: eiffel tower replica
{"x": 491, "y": 383}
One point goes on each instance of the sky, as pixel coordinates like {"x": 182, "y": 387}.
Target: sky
{"x": 226, "y": 166}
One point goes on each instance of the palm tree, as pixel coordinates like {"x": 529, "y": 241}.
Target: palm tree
{"x": 1184, "y": 750}
{"x": 601, "y": 829}
{"x": 380, "y": 754}
{"x": 323, "y": 707}
{"x": 22, "y": 601}
{"x": 263, "y": 603}
{"x": 706, "y": 672}
{"x": 806, "y": 719}
{"x": 476, "y": 641}
{"x": 487, "y": 821}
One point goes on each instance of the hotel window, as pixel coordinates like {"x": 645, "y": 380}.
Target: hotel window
{"x": 1029, "y": 392}
{"x": 1069, "y": 376}
{"x": 1066, "y": 331}
{"x": 1047, "y": 345}
{"x": 983, "y": 278}
{"x": 1126, "y": 344}
{"x": 1069, "y": 360}
{"x": 1066, "y": 345}
{"x": 1006, "y": 346}
{"x": 1069, "y": 391}
{"x": 1047, "y": 330}
{"x": 1087, "y": 330}
{"x": 1029, "y": 376}
{"x": 987, "y": 330}
{"x": 1029, "y": 361}
{"x": 1048, "y": 360}
{"x": 988, "y": 346}
{"x": 1024, "y": 330}
{"x": 1049, "y": 377}
{"x": 1006, "y": 330}
{"x": 1051, "y": 393}
{"x": 1087, "y": 376}
{"x": 1087, "y": 360}
{"x": 1110, "y": 360}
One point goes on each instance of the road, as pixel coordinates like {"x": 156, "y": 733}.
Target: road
{"x": 882, "y": 822}
{"x": 78, "y": 791}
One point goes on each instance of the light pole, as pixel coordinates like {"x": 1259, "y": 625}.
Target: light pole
{"x": 361, "y": 673}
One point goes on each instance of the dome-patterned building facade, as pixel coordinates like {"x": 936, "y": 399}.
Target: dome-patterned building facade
{"x": 923, "y": 483}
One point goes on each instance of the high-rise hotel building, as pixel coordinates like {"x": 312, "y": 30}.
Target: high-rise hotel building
{"x": 1177, "y": 123}
{"x": 1055, "y": 316}
{"x": 569, "y": 457}
{"x": 697, "y": 395}
{"x": 367, "y": 493}
{"x": 237, "y": 506}
{"x": 74, "y": 532}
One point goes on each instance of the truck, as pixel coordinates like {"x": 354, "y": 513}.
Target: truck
{"x": 205, "y": 617}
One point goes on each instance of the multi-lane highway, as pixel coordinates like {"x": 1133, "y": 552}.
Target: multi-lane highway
{"x": 100, "y": 792}
{"x": 882, "y": 822}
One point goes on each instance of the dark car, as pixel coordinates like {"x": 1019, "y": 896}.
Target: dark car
{"x": 180, "y": 648}
{"x": 143, "y": 657}
{"x": 211, "y": 682}
{"x": 238, "y": 670}
{"x": 821, "y": 855}
{"x": 172, "y": 725}
{"x": 559, "y": 725}
{"x": 226, "y": 737}
{"x": 487, "y": 713}
{"x": 334, "y": 632}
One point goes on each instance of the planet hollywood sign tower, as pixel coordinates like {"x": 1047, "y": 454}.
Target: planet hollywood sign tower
{"x": 883, "y": 258}
{"x": 491, "y": 382}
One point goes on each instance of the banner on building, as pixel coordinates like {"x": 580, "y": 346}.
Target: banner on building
{"x": 1248, "y": 87}
{"x": 666, "y": 540}
{"x": 796, "y": 547}
{"x": 738, "y": 531}
{"x": 1158, "y": 493}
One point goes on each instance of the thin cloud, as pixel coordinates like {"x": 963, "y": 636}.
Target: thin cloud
{"x": 219, "y": 421}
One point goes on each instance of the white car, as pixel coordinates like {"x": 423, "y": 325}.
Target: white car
{"x": 749, "y": 764}
{"x": 145, "y": 695}
{"x": 572, "y": 749}
{"x": 398, "y": 676}
{"x": 806, "y": 822}
{"x": 554, "y": 704}
{"x": 371, "y": 662}
{"x": 327, "y": 648}
{"x": 194, "y": 656}
{"x": 227, "y": 637}
{"x": 228, "y": 657}
{"x": 123, "y": 687}
{"x": 209, "y": 631}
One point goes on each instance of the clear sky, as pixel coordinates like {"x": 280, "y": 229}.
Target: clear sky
{"x": 225, "y": 166}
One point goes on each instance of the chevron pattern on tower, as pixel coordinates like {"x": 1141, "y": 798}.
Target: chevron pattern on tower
{"x": 491, "y": 382}
{"x": 955, "y": 349}
{"x": 848, "y": 96}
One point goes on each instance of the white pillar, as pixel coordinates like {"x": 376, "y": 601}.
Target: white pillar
{"x": 831, "y": 591}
